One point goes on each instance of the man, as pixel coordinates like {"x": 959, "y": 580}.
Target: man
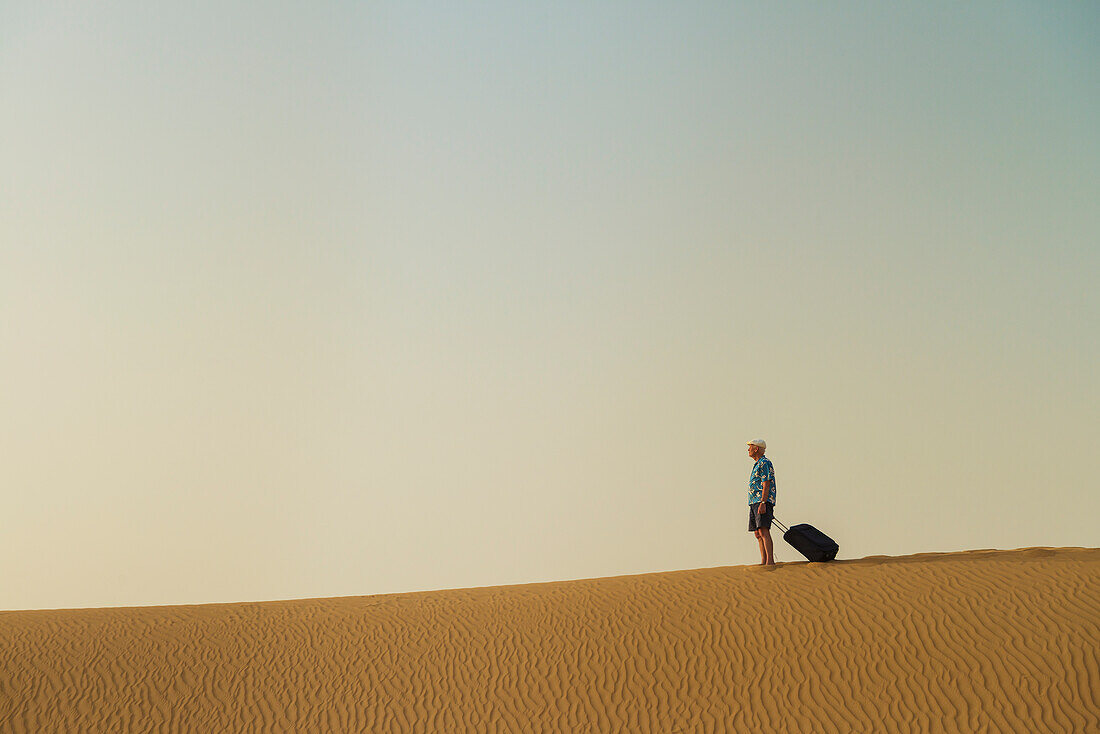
{"x": 761, "y": 500}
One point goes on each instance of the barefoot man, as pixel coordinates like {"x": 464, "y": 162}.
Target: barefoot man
{"x": 761, "y": 500}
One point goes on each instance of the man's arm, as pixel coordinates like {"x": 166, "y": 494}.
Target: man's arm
{"x": 763, "y": 506}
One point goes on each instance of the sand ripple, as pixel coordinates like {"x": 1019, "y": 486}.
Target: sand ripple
{"x": 981, "y": 641}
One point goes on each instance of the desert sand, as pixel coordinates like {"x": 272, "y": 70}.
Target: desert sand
{"x": 976, "y": 641}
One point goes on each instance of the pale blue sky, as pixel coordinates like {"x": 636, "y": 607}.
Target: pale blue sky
{"x": 345, "y": 298}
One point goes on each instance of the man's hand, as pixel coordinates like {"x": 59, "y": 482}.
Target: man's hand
{"x": 761, "y": 508}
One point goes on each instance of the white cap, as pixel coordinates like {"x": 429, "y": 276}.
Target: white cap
{"x": 757, "y": 442}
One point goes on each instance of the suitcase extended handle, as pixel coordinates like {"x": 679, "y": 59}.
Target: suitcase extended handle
{"x": 781, "y": 525}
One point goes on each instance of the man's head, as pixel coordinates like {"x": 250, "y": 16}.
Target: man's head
{"x": 756, "y": 448}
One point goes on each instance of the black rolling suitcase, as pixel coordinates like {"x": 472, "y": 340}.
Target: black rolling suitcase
{"x": 809, "y": 541}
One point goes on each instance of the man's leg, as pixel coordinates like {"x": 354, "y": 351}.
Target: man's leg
{"x": 765, "y": 535}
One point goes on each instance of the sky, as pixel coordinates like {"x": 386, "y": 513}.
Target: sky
{"x": 343, "y": 298}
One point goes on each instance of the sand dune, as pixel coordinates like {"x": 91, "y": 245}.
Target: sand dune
{"x": 979, "y": 641}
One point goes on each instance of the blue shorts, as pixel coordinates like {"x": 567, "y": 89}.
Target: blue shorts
{"x": 761, "y": 521}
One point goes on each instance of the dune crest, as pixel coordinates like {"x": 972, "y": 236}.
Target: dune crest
{"x": 978, "y": 641}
